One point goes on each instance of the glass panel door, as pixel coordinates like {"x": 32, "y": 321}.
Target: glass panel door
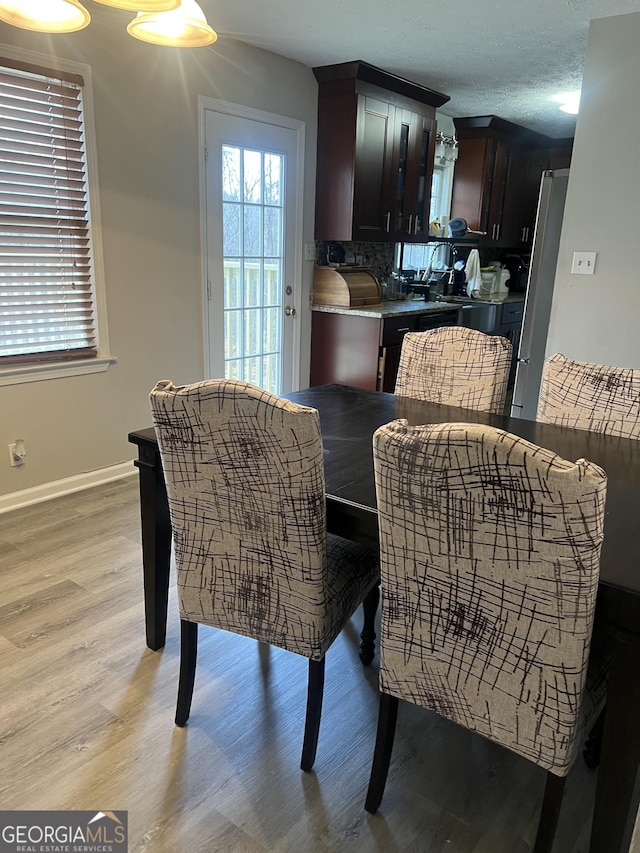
{"x": 252, "y": 278}
{"x": 253, "y": 260}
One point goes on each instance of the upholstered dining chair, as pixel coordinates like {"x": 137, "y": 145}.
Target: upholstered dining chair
{"x": 245, "y": 482}
{"x": 598, "y": 398}
{"x": 456, "y": 366}
{"x": 595, "y": 397}
{"x": 489, "y": 563}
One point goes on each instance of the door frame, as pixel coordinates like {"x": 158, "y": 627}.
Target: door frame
{"x": 206, "y": 104}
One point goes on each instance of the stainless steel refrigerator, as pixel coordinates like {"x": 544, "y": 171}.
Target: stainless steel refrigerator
{"x": 539, "y": 293}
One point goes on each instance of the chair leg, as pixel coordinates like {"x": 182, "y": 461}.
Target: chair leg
{"x": 315, "y": 690}
{"x": 188, "y": 657}
{"x": 550, "y": 813}
{"x": 387, "y": 716}
{"x": 593, "y": 744}
{"x": 368, "y": 635}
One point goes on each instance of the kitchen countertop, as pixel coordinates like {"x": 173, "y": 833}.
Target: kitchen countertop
{"x": 390, "y": 309}
{"x": 469, "y": 300}
{"x": 401, "y": 307}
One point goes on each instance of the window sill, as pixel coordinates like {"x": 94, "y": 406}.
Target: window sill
{"x": 54, "y": 370}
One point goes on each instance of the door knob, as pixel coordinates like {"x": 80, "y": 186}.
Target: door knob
{"x": 290, "y": 312}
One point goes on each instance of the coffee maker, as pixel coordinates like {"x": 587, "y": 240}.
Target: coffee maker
{"x": 518, "y": 266}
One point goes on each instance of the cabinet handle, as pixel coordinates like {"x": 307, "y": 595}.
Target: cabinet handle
{"x": 416, "y": 225}
{"x": 406, "y": 329}
{"x": 498, "y": 231}
{"x": 387, "y": 221}
{"x": 409, "y": 227}
{"x": 527, "y": 235}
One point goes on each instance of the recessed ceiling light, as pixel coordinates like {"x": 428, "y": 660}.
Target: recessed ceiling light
{"x": 569, "y": 102}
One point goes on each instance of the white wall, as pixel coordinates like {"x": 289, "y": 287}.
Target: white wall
{"x": 595, "y": 318}
{"x": 445, "y": 124}
{"x": 146, "y": 124}
{"x": 146, "y": 117}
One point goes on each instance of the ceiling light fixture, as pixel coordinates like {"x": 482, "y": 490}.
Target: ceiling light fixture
{"x": 171, "y": 23}
{"x": 186, "y": 26}
{"x": 45, "y": 16}
{"x": 142, "y": 5}
{"x": 569, "y": 102}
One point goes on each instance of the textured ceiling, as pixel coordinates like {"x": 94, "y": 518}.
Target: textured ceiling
{"x": 501, "y": 57}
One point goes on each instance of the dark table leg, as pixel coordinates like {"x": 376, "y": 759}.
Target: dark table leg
{"x": 156, "y": 545}
{"x": 617, "y": 792}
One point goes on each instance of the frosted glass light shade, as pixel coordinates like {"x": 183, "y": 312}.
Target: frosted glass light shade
{"x": 45, "y": 16}
{"x": 185, "y": 26}
{"x": 142, "y": 5}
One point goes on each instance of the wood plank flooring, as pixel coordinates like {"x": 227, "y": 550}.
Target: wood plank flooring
{"x": 87, "y": 720}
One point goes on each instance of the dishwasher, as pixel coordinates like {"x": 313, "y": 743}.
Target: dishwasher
{"x": 484, "y": 316}
{"x": 436, "y": 320}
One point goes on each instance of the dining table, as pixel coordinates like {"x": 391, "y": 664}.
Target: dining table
{"x": 348, "y": 418}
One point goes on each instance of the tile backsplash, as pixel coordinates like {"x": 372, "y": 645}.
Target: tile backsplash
{"x": 378, "y": 257}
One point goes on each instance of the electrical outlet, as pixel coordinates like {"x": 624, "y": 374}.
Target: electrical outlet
{"x": 584, "y": 263}
{"x": 309, "y": 251}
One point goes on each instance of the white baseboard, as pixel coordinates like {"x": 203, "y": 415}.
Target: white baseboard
{"x": 57, "y": 488}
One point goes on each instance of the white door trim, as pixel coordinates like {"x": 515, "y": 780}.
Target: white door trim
{"x": 239, "y": 111}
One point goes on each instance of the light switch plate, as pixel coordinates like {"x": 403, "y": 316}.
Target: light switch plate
{"x": 309, "y": 251}
{"x": 584, "y": 263}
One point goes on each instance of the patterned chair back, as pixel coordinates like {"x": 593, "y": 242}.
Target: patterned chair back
{"x": 595, "y": 397}
{"x": 455, "y": 366}
{"x": 245, "y": 481}
{"x": 490, "y": 550}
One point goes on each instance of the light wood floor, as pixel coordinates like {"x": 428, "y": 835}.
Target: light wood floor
{"x": 87, "y": 720}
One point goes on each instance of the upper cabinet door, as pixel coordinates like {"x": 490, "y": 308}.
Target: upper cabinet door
{"x": 521, "y": 196}
{"x": 406, "y": 204}
{"x": 417, "y": 138}
{"x": 373, "y": 186}
{"x": 480, "y": 184}
{"x": 402, "y": 172}
{"x": 512, "y": 211}
{"x": 486, "y": 176}
{"x": 376, "y": 143}
{"x": 472, "y": 181}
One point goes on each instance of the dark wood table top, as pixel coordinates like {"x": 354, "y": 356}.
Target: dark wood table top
{"x": 349, "y": 417}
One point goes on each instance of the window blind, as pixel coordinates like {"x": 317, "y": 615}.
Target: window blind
{"x": 46, "y": 287}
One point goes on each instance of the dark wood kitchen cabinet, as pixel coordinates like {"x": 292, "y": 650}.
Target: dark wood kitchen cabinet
{"x": 489, "y": 174}
{"x": 522, "y": 186}
{"x": 497, "y": 178}
{"x": 364, "y": 351}
{"x": 376, "y": 144}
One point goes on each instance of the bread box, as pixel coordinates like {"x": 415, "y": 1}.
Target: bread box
{"x": 345, "y": 287}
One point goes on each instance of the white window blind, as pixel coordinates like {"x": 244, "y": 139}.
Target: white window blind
{"x": 46, "y": 282}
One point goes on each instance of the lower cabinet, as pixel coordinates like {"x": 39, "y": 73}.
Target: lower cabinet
{"x": 364, "y": 352}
